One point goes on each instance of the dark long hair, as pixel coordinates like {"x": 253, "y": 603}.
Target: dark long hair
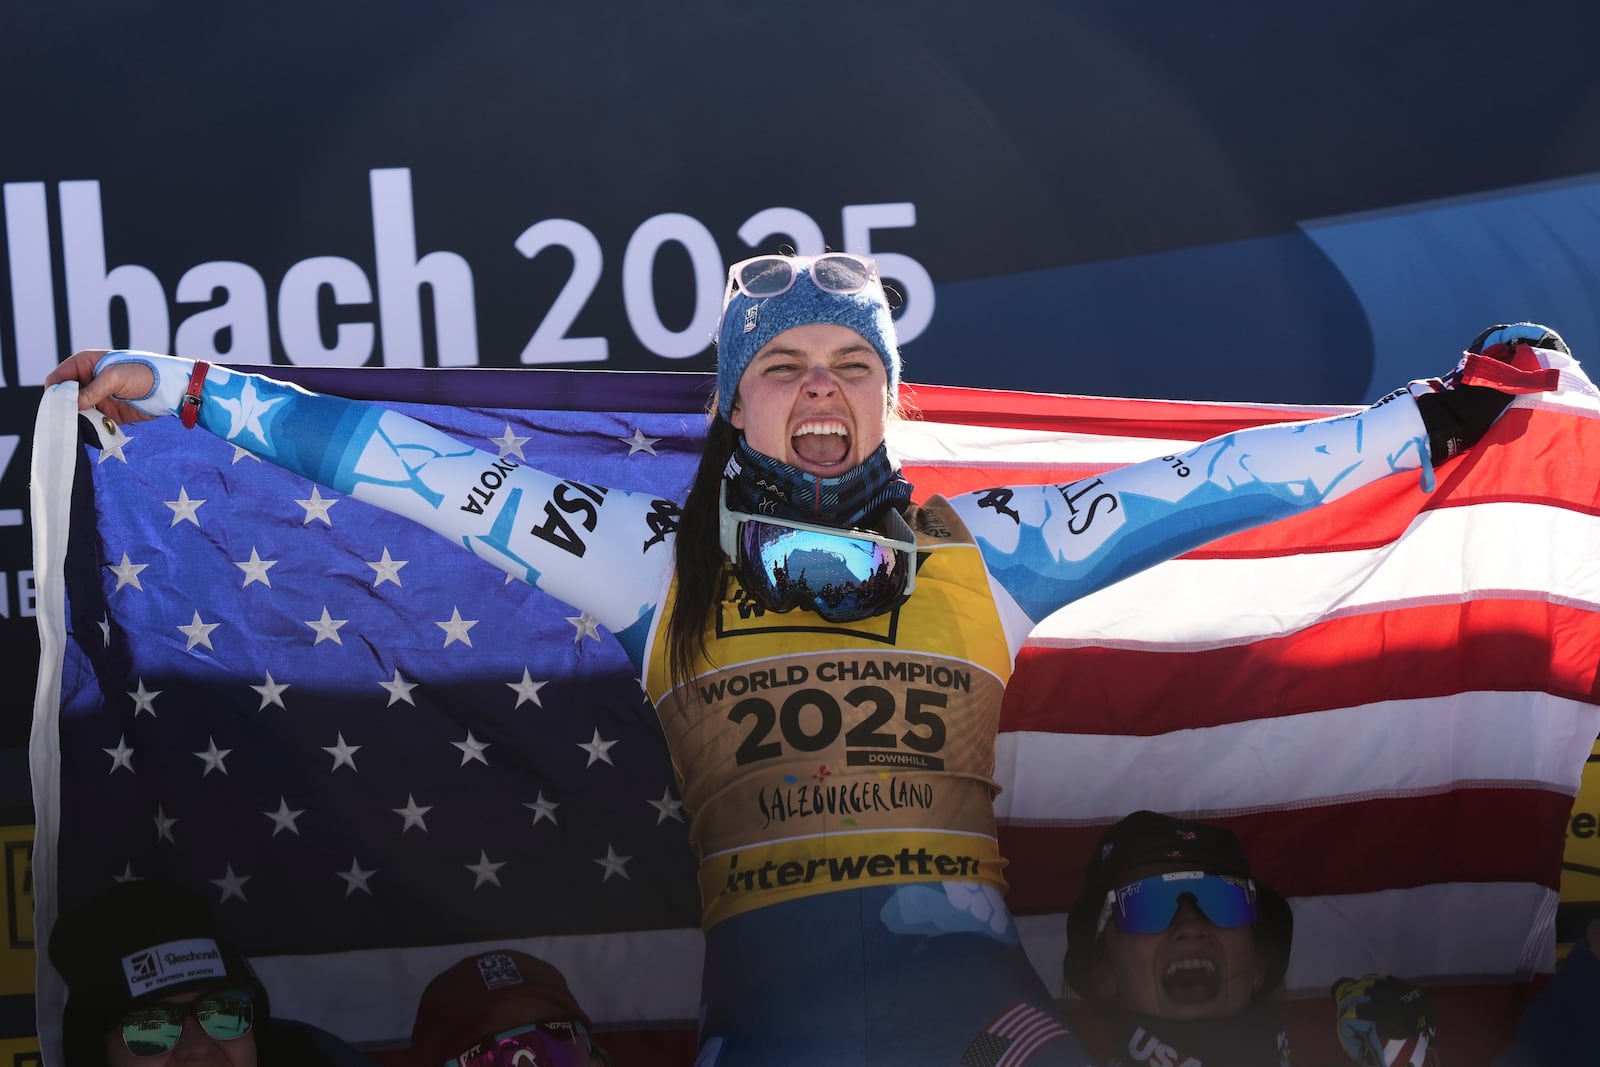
{"x": 699, "y": 554}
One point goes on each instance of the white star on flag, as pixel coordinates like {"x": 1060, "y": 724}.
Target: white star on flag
{"x": 510, "y": 444}
{"x": 399, "y": 689}
{"x": 585, "y": 625}
{"x": 639, "y": 442}
{"x": 212, "y": 757}
{"x": 485, "y": 870}
{"x": 271, "y": 692}
{"x": 255, "y": 568}
{"x": 387, "y": 568}
{"x": 543, "y": 809}
{"x": 183, "y": 509}
{"x": 356, "y": 878}
{"x": 316, "y": 507}
{"x": 327, "y": 628}
{"x": 112, "y": 442}
{"x": 232, "y": 885}
{"x": 121, "y": 756}
{"x": 667, "y": 807}
{"x": 198, "y": 633}
{"x": 527, "y": 690}
{"x": 127, "y": 573}
{"x": 343, "y": 754}
{"x": 412, "y": 814}
{"x": 614, "y": 864}
{"x": 597, "y": 749}
{"x": 284, "y": 818}
{"x": 144, "y": 700}
{"x": 164, "y": 826}
{"x": 472, "y": 749}
{"x": 455, "y": 628}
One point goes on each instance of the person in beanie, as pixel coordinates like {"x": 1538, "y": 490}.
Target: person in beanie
{"x": 826, "y": 653}
{"x": 151, "y": 980}
{"x": 1174, "y": 943}
{"x": 502, "y": 1008}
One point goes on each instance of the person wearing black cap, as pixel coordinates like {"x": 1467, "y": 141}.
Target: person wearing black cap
{"x": 150, "y": 980}
{"x": 1177, "y": 949}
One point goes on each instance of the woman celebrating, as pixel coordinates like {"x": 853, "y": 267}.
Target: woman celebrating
{"x": 827, "y": 657}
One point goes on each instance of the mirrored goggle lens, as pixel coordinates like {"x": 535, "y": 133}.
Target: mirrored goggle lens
{"x": 1149, "y": 905}
{"x": 155, "y": 1029}
{"x": 842, "y": 578}
{"x": 555, "y": 1044}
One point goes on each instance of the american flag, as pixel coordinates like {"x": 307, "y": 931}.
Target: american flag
{"x": 1014, "y": 1035}
{"x": 378, "y": 753}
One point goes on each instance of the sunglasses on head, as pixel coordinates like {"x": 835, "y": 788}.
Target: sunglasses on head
{"x": 1149, "y": 905}
{"x": 154, "y": 1029}
{"x": 767, "y": 276}
{"x": 549, "y": 1044}
{"x": 842, "y": 574}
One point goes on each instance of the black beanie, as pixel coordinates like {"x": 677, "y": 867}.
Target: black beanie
{"x": 135, "y": 943}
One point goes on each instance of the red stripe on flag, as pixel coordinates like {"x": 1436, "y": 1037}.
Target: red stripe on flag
{"x": 1180, "y": 420}
{"x": 1410, "y": 653}
{"x": 1463, "y": 835}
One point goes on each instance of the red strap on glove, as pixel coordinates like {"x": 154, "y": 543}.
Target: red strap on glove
{"x": 189, "y": 409}
{"x": 1509, "y": 371}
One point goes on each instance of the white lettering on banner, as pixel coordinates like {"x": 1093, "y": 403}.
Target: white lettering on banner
{"x": 8, "y": 452}
{"x": 27, "y": 595}
{"x": 401, "y": 276}
{"x": 638, "y": 296}
{"x": 222, "y": 309}
{"x": 300, "y": 327}
{"x": 242, "y": 313}
{"x": 33, "y": 303}
{"x": 915, "y": 284}
{"x": 550, "y": 343}
{"x": 91, "y": 288}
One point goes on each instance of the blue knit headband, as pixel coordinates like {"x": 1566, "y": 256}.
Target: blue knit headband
{"x": 749, "y": 323}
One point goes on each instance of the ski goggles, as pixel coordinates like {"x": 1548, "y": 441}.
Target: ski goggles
{"x": 767, "y": 276}
{"x": 154, "y": 1029}
{"x": 842, "y": 574}
{"x": 551, "y": 1044}
{"x": 1149, "y": 905}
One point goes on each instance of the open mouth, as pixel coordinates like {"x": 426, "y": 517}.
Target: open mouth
{"x": 822, "y": 444}
{"x": 1192, "y": 981}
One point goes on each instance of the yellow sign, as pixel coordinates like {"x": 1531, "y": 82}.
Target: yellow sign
{"x": 1580, "y": 862}
{"x": 16, "y": 952}
{"x": 19, "y": 1052}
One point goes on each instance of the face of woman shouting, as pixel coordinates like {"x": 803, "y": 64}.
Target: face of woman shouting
{"x": 815, "y": 397}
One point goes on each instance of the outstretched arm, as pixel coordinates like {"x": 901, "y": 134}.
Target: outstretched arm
{"x": 1050, "y": 545}
{"x": 606, "y": 552}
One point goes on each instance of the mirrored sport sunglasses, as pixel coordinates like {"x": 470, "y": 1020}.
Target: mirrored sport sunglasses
{"x": 766, "y": 276}
{"x": 1149, "y": 905}
{"x": 154, "y": 1029}
{"x": 844, "y": 575}
{"x": 549, "y": 1044}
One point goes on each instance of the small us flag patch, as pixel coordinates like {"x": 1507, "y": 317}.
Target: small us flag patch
{"x": 1012, "y": 1038}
